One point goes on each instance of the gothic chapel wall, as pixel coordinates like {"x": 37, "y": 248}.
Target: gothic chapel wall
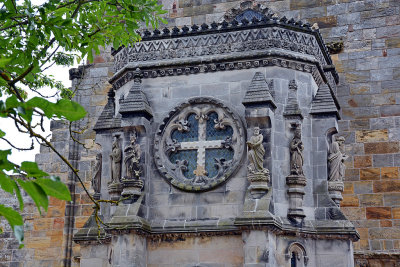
{"x": 228, "y": 143}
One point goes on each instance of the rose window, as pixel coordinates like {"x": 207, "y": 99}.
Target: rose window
{"x": 200, "y": 145}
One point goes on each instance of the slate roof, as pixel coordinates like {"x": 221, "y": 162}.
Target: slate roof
{"x": 106, "y": 119}
{"x": 259, "y": 91}
{"x": 323, "y": 101}
{"x": 136, "y": 102}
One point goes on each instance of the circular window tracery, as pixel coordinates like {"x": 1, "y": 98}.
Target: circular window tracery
{"x": 199, "y": 145}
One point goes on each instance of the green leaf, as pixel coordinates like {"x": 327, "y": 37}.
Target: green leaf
{"x": 32, "y": 169}
{"x": 36, "y": 193}
{"x": 12, "y": 216}
{"x": 4, "y": 163}
{"x": 64, "y": 108}
{"x": 6, "y": 183}
{"x": 12, "y": 102}
{"x": 4, "y": 62}
{"x": 55, "y": 188}
{"x": 71, "y": 110}
{"x": 2, "y": 134}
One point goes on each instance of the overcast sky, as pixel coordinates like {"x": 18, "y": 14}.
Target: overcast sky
{"x": 22, "y": 140}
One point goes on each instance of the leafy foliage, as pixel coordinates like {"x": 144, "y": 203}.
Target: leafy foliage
{"x": 32, "y": 39}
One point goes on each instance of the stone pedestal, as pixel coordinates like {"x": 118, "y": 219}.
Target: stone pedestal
{"x": 258, "y": 183}
{"x": 296, "y": 184}
{"x": 115, "y": 189}
{"x": 132, "y": 187}
{"x": 96, "y": 196}
{"x": 335, "y": 191}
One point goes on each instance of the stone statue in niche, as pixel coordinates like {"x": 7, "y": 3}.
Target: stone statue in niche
{"x": 256, "y": 152}
{"x": 116, "y": 157}
{"x": 257, "y": 175}
{"x": 132, "y": 182}
{"x": 336, "y": 160}
{"x": 96, "y": 180}
{"x": 296, "y": 153}
{"x": 132, "y": 158}
{"x": 296, "y": 180}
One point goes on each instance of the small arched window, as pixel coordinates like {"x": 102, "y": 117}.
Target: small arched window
{"x": 296, "y": 255}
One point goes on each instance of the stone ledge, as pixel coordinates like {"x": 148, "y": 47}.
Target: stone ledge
{"x": 321, "y": 230}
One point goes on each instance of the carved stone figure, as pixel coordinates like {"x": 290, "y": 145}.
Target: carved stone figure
{"x": 336, "y": 160}
{"x": 132, "y": 158}
{"x": 96, "y": 180}
{"x": 296, "y": 180}
{"x": 257, "y": 175}
{"x": 296, "y": 154}
{"x": 116, "y": 157}
{"x": 256, "y": 152}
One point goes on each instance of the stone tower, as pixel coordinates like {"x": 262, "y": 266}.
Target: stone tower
{"x": 220, "y": 141}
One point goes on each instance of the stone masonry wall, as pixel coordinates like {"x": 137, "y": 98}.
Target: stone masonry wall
{"x": 369, "y": 94}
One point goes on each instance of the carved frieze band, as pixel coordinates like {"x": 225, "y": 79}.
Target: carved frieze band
{"x": 220, "y": 44}
{"x": 204, "y": 68}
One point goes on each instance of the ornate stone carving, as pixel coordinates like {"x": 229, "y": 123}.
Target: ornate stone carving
{"x": 296, "y": 153}
{"x": 296, "y": 180}
{"x": 257, "y": 175}
{"x": 96, "y": 180}
{"x": 247, "y": 10}
{"x": 219, "y": 43}
{"x": 337, "y": 167}
{"x": 287, "y": 61}
{"x": 132, "y": 182}
{"x": 132, "y": 154}
{"x": 116, "y": 157}
{"x": 199, "y": 144}
{"x": 114, "y": 186}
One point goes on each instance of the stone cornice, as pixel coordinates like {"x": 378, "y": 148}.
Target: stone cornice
{"x": 313, "y": 229}
{"x": 224, "y": 43}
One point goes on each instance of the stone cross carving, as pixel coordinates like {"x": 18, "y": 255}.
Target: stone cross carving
{"x": 201, "y": 145}
{"x": 96, "y": 180}
{"x": 296, "y": 153}
{"x": 336, "y": 160}
{"x": 116, "y": 157}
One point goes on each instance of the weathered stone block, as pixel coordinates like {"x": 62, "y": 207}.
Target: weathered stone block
{"x": 383, "y": 160}
{"x": 362, "y": 161}
{"x": 372, "y": 135}
{"x": 370, "y": 174}
{"x": 353, "y": 213}
{"x": 381, "y": 148}
{"x": 363, "y": 187}
{"x": 378, "y": 213}
{"x": 386, "y": 186}
{"x": 371, "y": 200}
{"x": 391, "y": 199}
{"x": 390, "y": 173}
{"x": 349, "y": 201}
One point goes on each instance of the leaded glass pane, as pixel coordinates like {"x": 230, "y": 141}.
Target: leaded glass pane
{"x": 191, "y": 157}
{"x": 216, "y": 134}
{"x": 189, "y": 136}
{"x": 216, "y": 153}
